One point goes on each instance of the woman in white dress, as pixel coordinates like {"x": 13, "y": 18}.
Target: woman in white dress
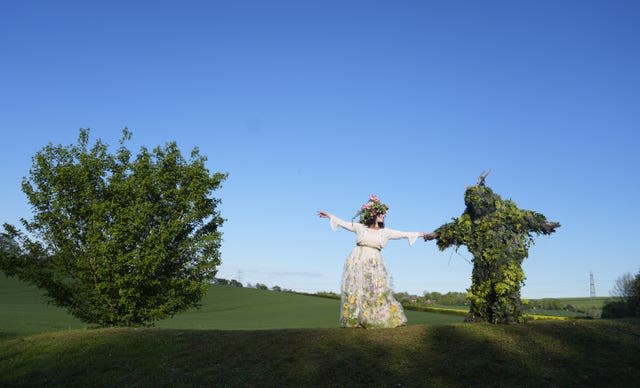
{"x": 367, "y": 300}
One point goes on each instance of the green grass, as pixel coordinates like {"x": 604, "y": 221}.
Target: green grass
{"x": 565, "y": 353}
{"x": 557, "y": 313}
{"x": 584, "y": 302}
{"x": 299, "y": 345}
{"x": 577, "y": 302}
{"x": 23, "y": 310}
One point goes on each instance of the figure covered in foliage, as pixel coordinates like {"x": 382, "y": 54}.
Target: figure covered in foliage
{"x": 498, "y": 235}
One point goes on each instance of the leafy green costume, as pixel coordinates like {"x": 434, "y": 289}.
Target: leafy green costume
{"x": 498, "y": 235}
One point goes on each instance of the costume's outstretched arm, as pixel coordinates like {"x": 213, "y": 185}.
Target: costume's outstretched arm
{"x": 538, "y": 223}
{"x": 454, "y": 233}
{"x": 550, "y": 227}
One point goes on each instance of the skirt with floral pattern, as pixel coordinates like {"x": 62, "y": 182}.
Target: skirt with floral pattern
{"x": 367, "y": 300}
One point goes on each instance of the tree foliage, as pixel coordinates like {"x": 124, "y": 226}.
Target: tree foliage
{"x": 498, "y": 234}
{"x": 227, "y": 282}
{"x": 623, "y": 287}
{"x": 116, "y": 239}
{"x": 626, "y": 302}
{"x": 450, "y": 298}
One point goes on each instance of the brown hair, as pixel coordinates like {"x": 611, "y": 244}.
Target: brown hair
{"x": 370, "y": 221}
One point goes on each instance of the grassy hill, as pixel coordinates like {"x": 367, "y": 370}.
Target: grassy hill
{"x": 42, "y": 345}
{"x": 23, "y": 310}
{"x": 569, "y": 353}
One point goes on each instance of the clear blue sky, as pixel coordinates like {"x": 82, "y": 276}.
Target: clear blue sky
{"x": 316, "y": 105}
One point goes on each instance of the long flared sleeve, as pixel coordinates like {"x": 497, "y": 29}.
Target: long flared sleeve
{"x": 348, "y": 225}
{"x": 398, "y": 234}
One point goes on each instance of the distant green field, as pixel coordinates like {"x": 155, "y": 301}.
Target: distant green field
{"x": 581, "y": 306}
{"x": 584, "y": 303}
{"x": 23, "y": 310}
{"x": 578, "y": 302}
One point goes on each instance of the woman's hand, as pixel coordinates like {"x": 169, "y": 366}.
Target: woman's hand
{"x": 324, "y": 214}
{"x": 430, "y": 236}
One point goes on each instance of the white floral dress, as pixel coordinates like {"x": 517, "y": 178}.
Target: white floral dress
{"x": 367, "y": 300}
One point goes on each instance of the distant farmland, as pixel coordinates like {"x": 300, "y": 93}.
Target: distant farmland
{"x": 23, "y": 309}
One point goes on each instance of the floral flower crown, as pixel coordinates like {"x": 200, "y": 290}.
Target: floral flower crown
{"x": 371, "y": 209}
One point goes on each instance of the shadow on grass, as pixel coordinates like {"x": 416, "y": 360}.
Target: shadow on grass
{"x": 551, "y": 353}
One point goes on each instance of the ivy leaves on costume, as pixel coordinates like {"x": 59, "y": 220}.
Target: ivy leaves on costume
{"x": 498, "y": 234}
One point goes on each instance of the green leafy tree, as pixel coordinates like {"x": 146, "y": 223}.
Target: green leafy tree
{"x": 235, "y": 283}
{"x": 117, "y": 240}
{"x": 221, "y": 282}
{"x": 498, "y": 235}
{"x": 626, "y": 302}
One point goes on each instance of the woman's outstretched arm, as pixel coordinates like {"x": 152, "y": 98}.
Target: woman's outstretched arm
{"x": 411, "y": 236}
{"x": 335, "y": 222}
{"x": 324, "y": 214}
